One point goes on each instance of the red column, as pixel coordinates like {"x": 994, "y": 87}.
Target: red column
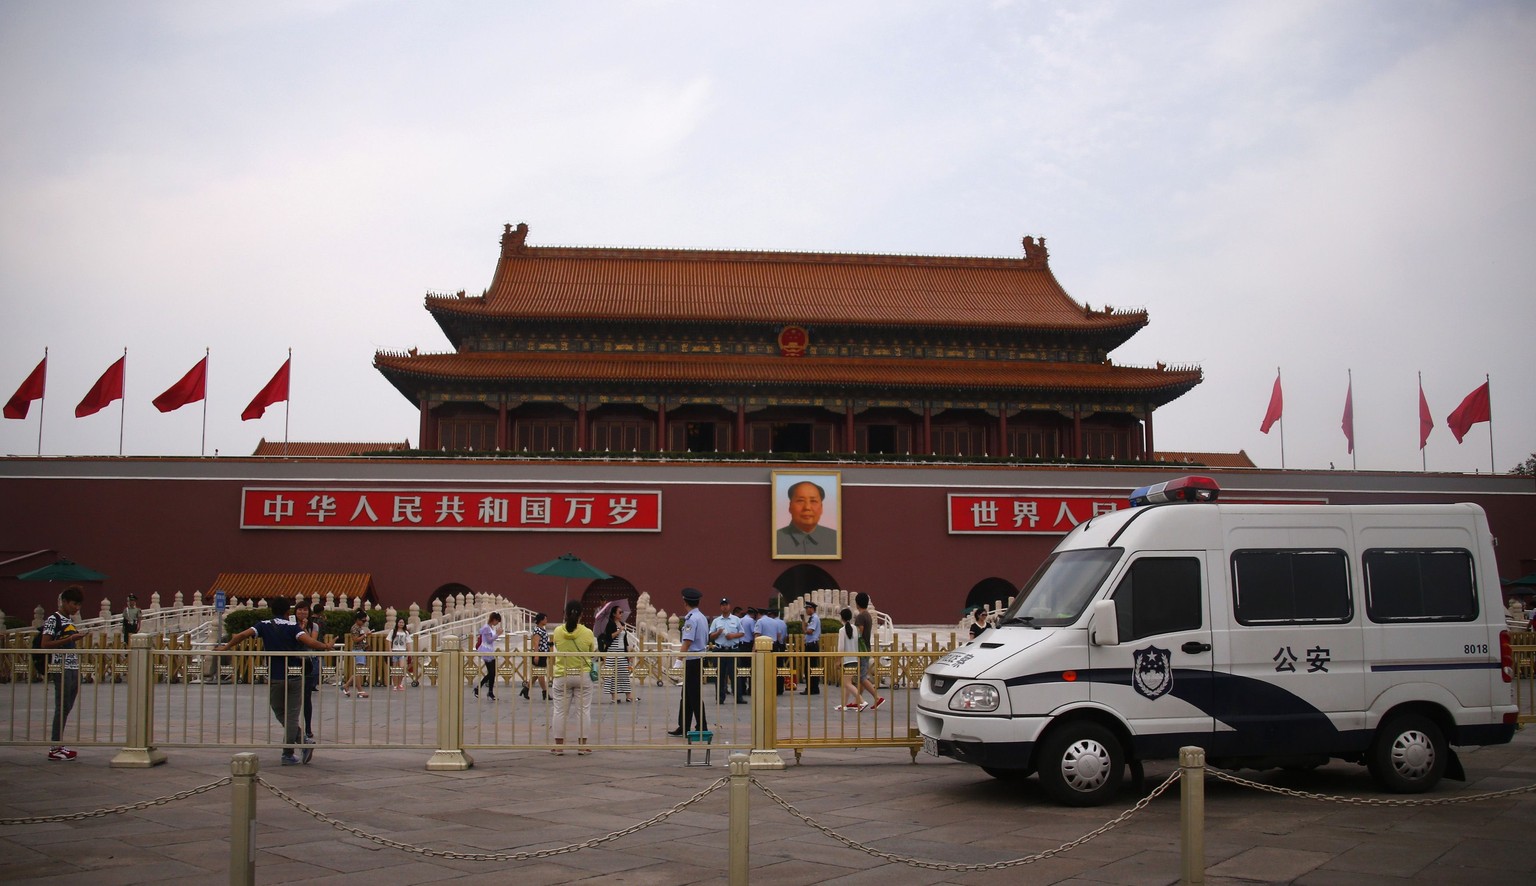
{"x": 1077, "y": 432}
{"x": 423, "y": 435}
{"x": 1002, "y": 431}
{"x": 1148, "y": 449}
{"x": 581, "y": 424}
{"x": 848, "y": 436}
{"x": 927, "y": 429}
{"x": 501, "y": 425}
{"x": 661, "y": 424}
{"x": 741, "y": 424}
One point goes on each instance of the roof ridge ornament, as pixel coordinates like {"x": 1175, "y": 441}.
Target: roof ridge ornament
{"x": 515, "y": 239}
{"x": 1035, "y": 254}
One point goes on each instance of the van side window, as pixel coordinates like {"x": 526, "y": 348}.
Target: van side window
{"x": 1419, "y": 585}
{"x": 1291, "y": 586}
{"x": 1159, "y": 595}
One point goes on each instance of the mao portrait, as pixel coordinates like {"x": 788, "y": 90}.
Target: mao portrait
{"x": 807, "y": 514}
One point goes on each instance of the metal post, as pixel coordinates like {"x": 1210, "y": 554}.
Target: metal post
{"x": 450, "y": 755}
{"x": 1192, "y": 814}
{"x": 765, "y": 707}
{"x": 139, "y": 753}
{"x": 740, "y": 827}
{"x": 242, "y": 819}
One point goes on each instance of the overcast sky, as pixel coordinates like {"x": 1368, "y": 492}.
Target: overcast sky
{"x": 1310, "y": 186}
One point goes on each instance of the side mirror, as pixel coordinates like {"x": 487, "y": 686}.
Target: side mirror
{"x": 1104, "y": 624}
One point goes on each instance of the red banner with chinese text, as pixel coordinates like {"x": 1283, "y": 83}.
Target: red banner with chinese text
{"x": 447, "y": 509}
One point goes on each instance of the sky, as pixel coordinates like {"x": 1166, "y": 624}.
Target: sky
{"x": 1317, "y": 189}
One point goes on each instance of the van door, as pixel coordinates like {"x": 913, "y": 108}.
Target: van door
{"x": 1158, "y": 679}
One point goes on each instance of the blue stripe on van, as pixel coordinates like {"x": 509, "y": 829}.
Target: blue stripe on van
{"x": 1440, "y": 666}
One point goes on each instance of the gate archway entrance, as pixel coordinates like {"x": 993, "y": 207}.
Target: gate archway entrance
{"x": 988, "y": 592}
{"x": 797, "y": 581}
{"x": 601, "y": 591}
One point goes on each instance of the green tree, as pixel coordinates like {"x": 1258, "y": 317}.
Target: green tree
{"x": 1526, "y": 468}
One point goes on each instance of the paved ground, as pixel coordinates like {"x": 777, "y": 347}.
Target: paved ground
{"x": 937, "y": 810}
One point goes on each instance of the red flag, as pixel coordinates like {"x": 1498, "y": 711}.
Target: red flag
{"x": 192, "y": 388}
{"x": 1426, "y": 423}
{"x": 276, "y": 391}
{"x": 1349, "y": 416}
{"x": 107, "y": 389}
{"x": 1475, "y": 408}
{"x": 31, "y": 389}
{"x": 1276, "y": 406}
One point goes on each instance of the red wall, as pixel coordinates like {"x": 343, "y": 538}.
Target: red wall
{"x": 169, "y": 525}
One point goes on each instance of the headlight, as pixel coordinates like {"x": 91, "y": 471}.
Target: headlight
{"x": 975, "y": 697}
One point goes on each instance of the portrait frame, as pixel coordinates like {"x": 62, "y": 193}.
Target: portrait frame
{"x": 783, "y": 544}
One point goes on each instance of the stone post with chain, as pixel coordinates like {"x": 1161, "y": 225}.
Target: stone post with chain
{"x": 1192, "y": 814}
{"x": 242, "y": 819}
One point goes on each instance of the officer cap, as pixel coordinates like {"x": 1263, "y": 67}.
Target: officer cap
{"x": 692, "y": 595}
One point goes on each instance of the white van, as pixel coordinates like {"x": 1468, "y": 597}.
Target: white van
{"x": 1268, "y": 634}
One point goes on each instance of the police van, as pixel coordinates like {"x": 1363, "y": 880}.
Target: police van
{"x": 1267, "y": 634}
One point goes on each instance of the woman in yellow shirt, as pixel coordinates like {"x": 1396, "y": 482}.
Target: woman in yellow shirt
{"x": 571, "y": 675}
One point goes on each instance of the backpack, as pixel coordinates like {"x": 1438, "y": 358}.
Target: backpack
{"x": 39, "y": 658}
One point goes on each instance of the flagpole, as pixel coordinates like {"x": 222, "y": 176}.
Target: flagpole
{"x": 41, "y": 403}
{"x": 202, "y": 449}
{"x": 288, "y": 402}
{"x": 122, "y": 406}
{"x": 1278, "y": 380}
{"x": 1488, "y": 383}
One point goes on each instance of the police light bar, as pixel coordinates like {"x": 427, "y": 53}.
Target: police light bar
{"x": 1182, "y": 489}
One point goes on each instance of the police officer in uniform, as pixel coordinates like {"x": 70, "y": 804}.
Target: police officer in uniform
{"x": 744, "y": 663}
{"x": 725, "y": 636}
{"x": 812, "y": 644}
{"x": 690, "y": 708}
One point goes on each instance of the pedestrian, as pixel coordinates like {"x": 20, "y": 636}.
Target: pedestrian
{"x": 573, "y": 677}
{"x": 59, "y": 632}
{"x": 978, "y": 622}
{"x": 848, "y": 645}
{"x": 285, "y": 673}
{"x": 864, "y": 624}
{"x": 744, "y": 662}
{"x": 399, "y": 645}
{"x": 773, "y": 627}
{"x": 812, "y": 625}
{"x": 358, "y": 637}
{"x": 490, "y": 632}
{"x": 618, "y": 671}
{"x": 690, "y": 708}
{"x": 305, "y": 619}
{"x": 540, "y": 663}
{"x": 131, "y": 616}
{"x": 725, "y": 636}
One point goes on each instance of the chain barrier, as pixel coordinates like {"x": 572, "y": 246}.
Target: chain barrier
{"x": 954, "y": 866}
{"x": 115, "y": 810}
{"x": 1368, "y": 801}
{"x": 488, "y": 856}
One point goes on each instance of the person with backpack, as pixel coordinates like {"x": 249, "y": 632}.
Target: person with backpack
{"x": 59, "y": 633}
{"x": 285, "y": 674}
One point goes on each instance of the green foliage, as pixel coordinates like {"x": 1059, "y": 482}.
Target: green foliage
{"x": 1526, "y": 468}
{"x": 337, "y": 621}
{"x": 240, "y": 619}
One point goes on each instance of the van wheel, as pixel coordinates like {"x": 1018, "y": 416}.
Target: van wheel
{"x": 1409, "y": 754}
{"x": 1081, "y": 764}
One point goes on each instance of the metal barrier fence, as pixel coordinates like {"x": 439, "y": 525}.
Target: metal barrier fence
{"x": 160, "y": 696}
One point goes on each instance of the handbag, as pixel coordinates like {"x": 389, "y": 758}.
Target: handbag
{"x": 592, "y": 671}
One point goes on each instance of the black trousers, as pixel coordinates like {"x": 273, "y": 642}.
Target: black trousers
{"x": 489, "y": 680}
{"x": 725, "y": 678}
{"x": 690, "y": 708}
{"x": 813, "y": 681}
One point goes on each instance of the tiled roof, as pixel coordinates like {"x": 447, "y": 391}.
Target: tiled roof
{"x": 325, "y": 450}
{"x": 1237, "y": 459}
{"x": 265, "y": 585}
{"x": 667, "y": 285}
{"x": 661, "y": 370}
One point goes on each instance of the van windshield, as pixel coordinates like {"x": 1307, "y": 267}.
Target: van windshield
{"x": 1061, "y": 588}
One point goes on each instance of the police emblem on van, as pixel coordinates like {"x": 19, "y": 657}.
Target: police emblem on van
{"x": 1153, "y": 674}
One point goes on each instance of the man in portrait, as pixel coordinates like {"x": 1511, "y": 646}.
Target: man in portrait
{"x": 805, "y": 536}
